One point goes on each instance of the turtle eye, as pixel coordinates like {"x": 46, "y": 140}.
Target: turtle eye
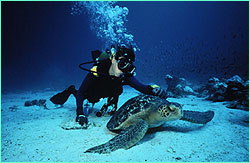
{"x": 174, "y": 106}
{"x": 171, "y": 107}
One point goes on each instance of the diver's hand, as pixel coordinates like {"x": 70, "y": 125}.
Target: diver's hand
{"x": 82, "y": 120}
{"x": 160, "y": 92}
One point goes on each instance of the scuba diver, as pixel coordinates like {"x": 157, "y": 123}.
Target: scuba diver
{"x": 112, "y": 70}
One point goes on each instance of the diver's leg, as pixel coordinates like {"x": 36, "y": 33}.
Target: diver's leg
{"x": 82, "y": 92}
{"x": 62, "y": 97}
{"x": 74, "y": 92}
{"x": 80, "y": 96}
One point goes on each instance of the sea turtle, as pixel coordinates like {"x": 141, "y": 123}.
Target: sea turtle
{"x": 143, "y": 112}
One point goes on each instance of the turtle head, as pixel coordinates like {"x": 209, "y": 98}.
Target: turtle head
{"x": 170, "y": 111}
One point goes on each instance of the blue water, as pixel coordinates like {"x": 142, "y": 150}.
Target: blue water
{"x": 43, "y": 42}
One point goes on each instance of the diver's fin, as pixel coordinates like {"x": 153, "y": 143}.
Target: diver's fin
{"x": 197, "y": 117}
{"x": 62, "y": 97}
{"x": 125, "y": 139}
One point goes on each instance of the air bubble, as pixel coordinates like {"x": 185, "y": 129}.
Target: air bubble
{"x": 107, "y": 21}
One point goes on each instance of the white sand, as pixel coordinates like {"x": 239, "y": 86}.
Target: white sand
{"x": 34, "y": 134}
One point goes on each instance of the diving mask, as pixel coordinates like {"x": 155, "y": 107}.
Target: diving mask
{"x": 125, "y": 66}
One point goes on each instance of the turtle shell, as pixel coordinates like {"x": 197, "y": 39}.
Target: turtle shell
{"x": 139, "y": 104}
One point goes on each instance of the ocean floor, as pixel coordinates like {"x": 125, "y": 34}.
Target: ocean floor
{"x": 34, "y": 134}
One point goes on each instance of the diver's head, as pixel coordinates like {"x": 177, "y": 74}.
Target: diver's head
{"x": 125, "y": 52}
{"x": 125, "y": 58}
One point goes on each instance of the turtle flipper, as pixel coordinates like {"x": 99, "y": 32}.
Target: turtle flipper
{"x": 197, "y": 117}
{"x": 125, "y": 139}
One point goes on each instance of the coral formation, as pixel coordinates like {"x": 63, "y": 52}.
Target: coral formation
{"x": 41, "y": 102}
{"x": 233, "y": 90}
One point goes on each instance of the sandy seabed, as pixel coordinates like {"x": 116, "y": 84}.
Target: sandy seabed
{"x": 34, "y": 134}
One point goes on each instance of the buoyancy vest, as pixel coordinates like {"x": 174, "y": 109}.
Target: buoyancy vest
{"x": 103, "y": 86}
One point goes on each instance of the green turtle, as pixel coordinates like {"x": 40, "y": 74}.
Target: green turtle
{"x": 140, "y": 113}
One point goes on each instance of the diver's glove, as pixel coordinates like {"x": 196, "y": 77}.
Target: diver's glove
{"x": 157, "y": 91}
{"x": 82, "y": 120}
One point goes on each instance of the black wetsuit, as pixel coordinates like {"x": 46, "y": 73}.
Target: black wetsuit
{"x": 93, "y": 88}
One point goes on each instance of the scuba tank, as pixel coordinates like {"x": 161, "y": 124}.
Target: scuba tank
{"x": 97, "y": 56}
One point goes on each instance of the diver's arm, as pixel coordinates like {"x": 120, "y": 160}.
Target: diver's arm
{"x": 133, "y": 82}
{"x": 146, "y": 89}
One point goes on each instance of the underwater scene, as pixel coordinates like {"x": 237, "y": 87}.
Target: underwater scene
{"x": 125, "y": 81}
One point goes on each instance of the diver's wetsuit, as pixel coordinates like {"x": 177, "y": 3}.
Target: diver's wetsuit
{"x": 93, "y": 88}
